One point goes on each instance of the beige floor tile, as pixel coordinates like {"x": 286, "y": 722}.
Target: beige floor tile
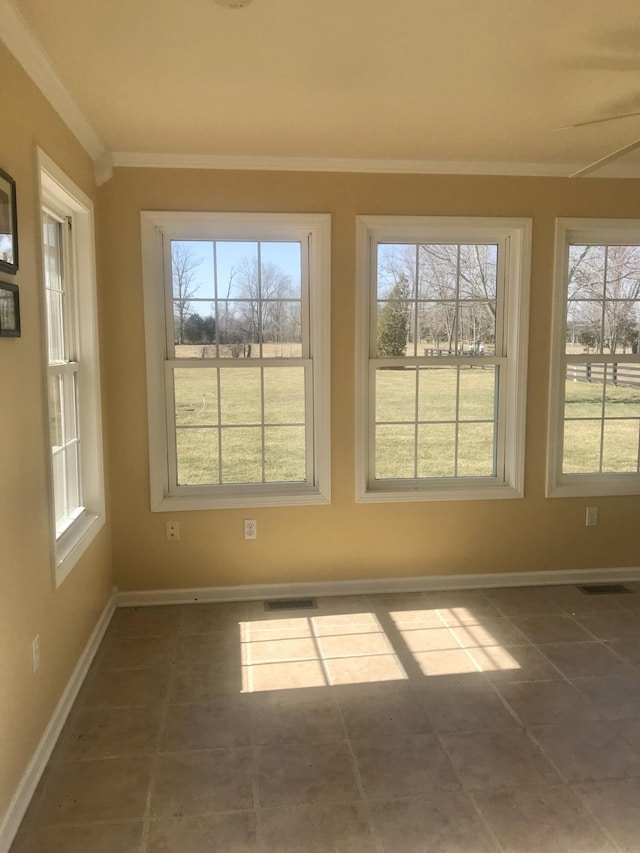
{"x": 221, "y": 722}
{"x": 523, "y": 601}
{"x": 110, "y": 733}
{"x": 513, "y": 663}
{"x": 293, "y": 773}
{"x": 429, "y": 639}
{"x": 473, "y": 708}
{"x": 89, "y": 838}
{"x": 145, "y": 621}
{"x": 550, "y": 628}
{"x": 630, "y": 730}
{"x": 137, "y": 652}
{"x": 436, "y": 823}
{"x": 315, "y": 828}
{"x": 194, "y": 783}
{"x": 616, "y": 697}
{"x": 203, "y": 682}
{"x": 276, "y": 650}
{"x": 355, "y": 645}
{"x": 548, "y": 702}
{"x": 209, "y": 649}
{"x": 409, "y": 616}
{"x": 291, "y": 675}
{"x": 340, "y": 624}
{"x": 403, "y": 766}
{"x": 575, "y": 602}
{"x": 504, "y": 759}
{"x": 547, "y": 821}
{"x": 616, "y": 805}
{"x": 584, "y": 659}
{"x": 365, "y": 670}
{"x": 462, "y": 606}
{"x": 381, "y": 710}
{"x": 612, "y": 625}
{"x": 627, "y": 649}
{"x": 277, "y": 629}
{"x": 111, "y": 789}
{"x": 446, "y": 663}
{"x": 308, "y": 714}
{"x": 488, "y": 632}
{"x": 213, "y": 619}
{"x": 112, "y": 688}
{"x": 215, "y": 833}
{"x": 586, "y": 752}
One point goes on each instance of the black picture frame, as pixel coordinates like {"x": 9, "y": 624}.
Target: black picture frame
{"x": 9, "y": 310}
{"x": 8, "y": 224}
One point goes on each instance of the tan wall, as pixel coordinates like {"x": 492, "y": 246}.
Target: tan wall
{"x": 29, "y": 605}
{"x": 345, "y": 540}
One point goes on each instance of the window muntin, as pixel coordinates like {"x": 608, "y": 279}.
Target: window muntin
{"x": 443, "y": 415}
{"x": 595, "y": 411}
{"x": 245, "y": 320}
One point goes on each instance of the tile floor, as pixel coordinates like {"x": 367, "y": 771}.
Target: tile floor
{"x": 503, "y": 720}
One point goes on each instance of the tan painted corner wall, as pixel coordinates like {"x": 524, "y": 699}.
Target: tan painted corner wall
{"x": 345, "y": 540}
{"x": 29, "y": 605}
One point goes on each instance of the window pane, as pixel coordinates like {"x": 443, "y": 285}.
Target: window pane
{"x": 240, "y": 396}
{"x": 436, "y": 328}
{"x": 55, "y": 411}
{"x": 586, "y": 272}
{"x": 282, "y": 265}
{"x": 239, "y": 329}
{"x": 197, "y": 451}
{"x": 284, "y": 401}
{"x": 73, "y": 477}
{"x": 395, "y": 452}
{"x": 192, "y": 270}
{"x": 581, "y": 447}
{"x": 623, "y": 268}
{"x": 196, "y": 396}
{"x": 235, "y": 261}
{"x": 281, "y": 329}
{"x": 621, "y": 324}
{"x": 583, "y": 391}
{"x": 622, "y": 391}
{"x": 55, "y": 326}
{"x": 437, "y": 450}
{"x": 620, "y": 447}
{"x": 437, "y": 393}
{"x": 396, "y": 394}
{"x": 438, "y": 271}
{"x": 475, "y": 450}
{"x": 394, "y": 331}
{"x": 242, "y": 455}
{"x": 194, "y": 327}
{"x": 284, "y": 454}
{"x": 70, "y": 406}
{"x": 396, "y": 270}
{"x": 478, "y": 393}
{"x": 476, "y": 327}
{"x": 59, "y": 485}
{"x": 478, "y": 272}
{"x": 584, "y": 327}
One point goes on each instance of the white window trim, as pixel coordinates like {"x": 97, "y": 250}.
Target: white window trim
{"x": 559, "y": 485}
{"x": 373, "y": 229}
{"x": 155, "y": 227}
{"x": 58, "y": 190}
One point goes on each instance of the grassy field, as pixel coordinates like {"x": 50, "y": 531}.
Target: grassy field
{"x": 415, "y": 424}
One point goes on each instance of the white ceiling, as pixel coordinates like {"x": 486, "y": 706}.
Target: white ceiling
{"x": 453, "y": 85}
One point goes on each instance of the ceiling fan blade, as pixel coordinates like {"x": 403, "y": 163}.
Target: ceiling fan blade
{"x": 627, "y": 149}
{"x": 599, "y": 121}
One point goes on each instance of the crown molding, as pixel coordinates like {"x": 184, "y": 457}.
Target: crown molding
{"x": 230, "y": 162}
{"x": 15, "y": 34}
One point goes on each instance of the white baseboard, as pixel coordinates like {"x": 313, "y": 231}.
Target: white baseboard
{"x": 22, "y": 797}
{"x": 138, "y": 598}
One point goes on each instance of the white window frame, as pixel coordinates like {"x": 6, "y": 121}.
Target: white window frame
{"x": 60, "y": 194}
{"x": 514, "y": 236}
{"x": 158, "y": 229}
{"x": 559, "y": 485}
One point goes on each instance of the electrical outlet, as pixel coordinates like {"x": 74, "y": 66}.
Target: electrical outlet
{"x": 173, "y": 531}
{"x": 250, "y": 528}
{"x": 35, "y": 652}
{"x": 592, "y": 516}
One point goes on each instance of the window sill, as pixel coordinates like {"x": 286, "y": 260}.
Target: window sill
{"x": 485, "y": 490}
{"x": 598, "y": 485}
{"x": 185, "y": 503}
{"x": 72, "y": 544}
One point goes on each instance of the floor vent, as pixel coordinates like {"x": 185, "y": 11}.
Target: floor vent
{"x": 604, "y": 589}
{"x": 291, "y": 604}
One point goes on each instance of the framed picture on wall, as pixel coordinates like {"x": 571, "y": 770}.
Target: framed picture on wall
{"x": 8, "y": 224}
{"x": 9, "y": 310}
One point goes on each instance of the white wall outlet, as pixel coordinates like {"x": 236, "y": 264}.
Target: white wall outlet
{"x": 592, "y": 516}
{"x": 173, "y": 531}
{"x": 35, "y": 652}
{"x": 250, "y": 528}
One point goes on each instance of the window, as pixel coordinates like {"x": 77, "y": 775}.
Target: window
{"x": 594, "y": 429}
{"x": 73, "y": 382}
{"x": 237, "y": 321}
{"x": 441, "y": 357}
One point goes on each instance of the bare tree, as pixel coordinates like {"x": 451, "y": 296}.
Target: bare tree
{"x": 183, "y": 273}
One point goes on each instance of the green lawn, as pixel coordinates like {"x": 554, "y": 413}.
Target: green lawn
{"x": 415, "y": 424}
